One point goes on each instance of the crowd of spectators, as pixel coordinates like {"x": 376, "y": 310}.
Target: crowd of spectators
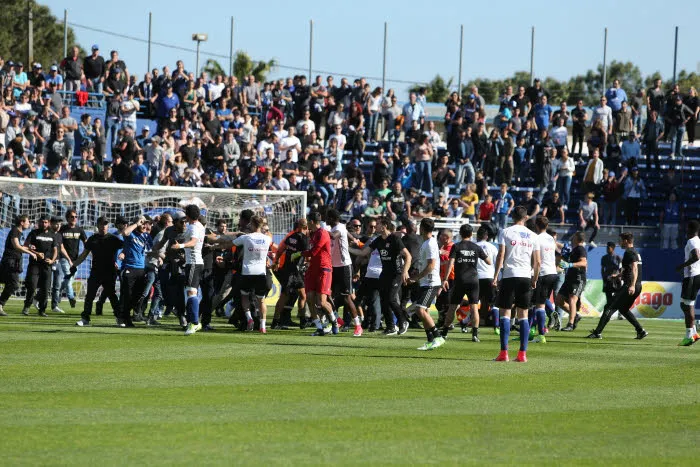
{"x": 289, "y": 134}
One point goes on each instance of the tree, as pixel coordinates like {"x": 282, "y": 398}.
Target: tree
{"x": 437, "y": 90}
{"x": 48, "y": 33}
{"x": 213, "y": 68}
{"x": 244, "y": 66}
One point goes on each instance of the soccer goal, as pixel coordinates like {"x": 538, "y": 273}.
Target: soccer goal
{"x": 92, "y": 200}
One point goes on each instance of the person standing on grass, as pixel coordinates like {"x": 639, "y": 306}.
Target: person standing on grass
{"x": 11, "y": 263}
{"x": 43, "y": 243}
{"x": 396, "y": 263}
{"x": 548, "y": 278}
{"x": 342, "y": 268}
{"x": 519, "y": 259}
{"x": 485, "y": 272}
{"x": 289, "y": 276}
{"x": 574, "y": 281}
{"x": 691, "y": 282}
{"x": 104, "y": 247}
{"x": 319, "y": 275}
{"x": 631, "y": 288}
{"x": 133, "y": 275}
{"x": 610, "y": 272}
{"x": 428, "y": 279}
{"x": 464, "y": 257}
{"x": 194, "y": 265}
{"x": 255, "y": 247}
{"x": 72, "y": 236}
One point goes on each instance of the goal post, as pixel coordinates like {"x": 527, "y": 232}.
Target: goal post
{"x": 92, "y": 200}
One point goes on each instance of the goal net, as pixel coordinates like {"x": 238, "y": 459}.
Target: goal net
{"x": 92, "y": 200}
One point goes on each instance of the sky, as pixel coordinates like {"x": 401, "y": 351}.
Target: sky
{"x": 423, "y": 39}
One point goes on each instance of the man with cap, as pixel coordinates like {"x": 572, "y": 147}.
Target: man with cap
{"x": 103, "y": 246}
{"x": 56, "y": 270}
{"x": 55, "y": 78}
{"x": 94, "y": 69}
{"x": 129, "y": 107}
{"x": 37, "y": 76}
{"x": 167, "y": 101}
{"x": 72, "y": 67}
{"x": 43, "y": 243}
{"x": 114, "y": 62}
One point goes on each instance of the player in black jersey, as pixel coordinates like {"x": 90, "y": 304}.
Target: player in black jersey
{"x": 409, "y": 292}
{"x": 575, "y": 280}
{"x": 288, "y": 273}
{"x": 396, "y": 261}
{"x": 103, "y": 273}
{"x": 11, "y": 264}
{"x": 631, "y": 288}
{"x": 42, "y": 242}
{"x": 463, "y": 259}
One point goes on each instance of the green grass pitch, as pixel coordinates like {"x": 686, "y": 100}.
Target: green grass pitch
{"x": 108, "y": 396}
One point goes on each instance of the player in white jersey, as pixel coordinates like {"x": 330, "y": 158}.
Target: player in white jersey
{"x": 341, "y": 284}
{"x": 485, "y": 272}
{"x": 194, "y": 265}
{"x": 691, "y": 282}
{"x": 548, "y": 278}
{"x": 428, "y": 279}
{"x": 519, "y": 258}
{"x": 255, "y": 247}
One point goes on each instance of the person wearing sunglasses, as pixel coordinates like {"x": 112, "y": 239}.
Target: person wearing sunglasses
{"x": 72, "y": 235}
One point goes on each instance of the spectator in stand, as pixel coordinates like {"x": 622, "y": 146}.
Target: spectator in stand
{"x": 545, "y": 170}
{"x": 636, "y": 104}
{"x": 356, "y": 206}
{"x": 652, "y": 133}
{"x": 669, "y": 220}
{"x": 635, "y": 191}
{"x": 553, "y": 209}
{"x": 441, "y": 177}
{"x": 412, "y": 111}
{"x": 531, "y": 204}
{"x": 631, "y": 150}
{"x": 543, "y": 113}
{"x": 562, "y": 112}
{"x": 94, "y": 69}
{"x": 598, "y": 138}
{"x": 559, "y": 134}
{"x": 55, "y": 78}
{"x": 486, "y": 209}
{"x": 21, "y": 80}
{"x": 115, "y": 63}
{"x": 130, "y": 106}
{"x": 623, "y": 122}
{"x": 521, "y": 102}
{"x": 616, "y": 96}
{"x": 468, "y": 202}
{"x": 603, "y": 114}
{"x": 693, "y": 103}
{"x": 71, "y": 126}
{"x": 481, "y": 143}
{"x": 593, "y": 175}
{"x": 423, "y": 156}
{"x": 611, "y": 194}
{"x": 375, "y": 210}
{"x": 656, "y": 98}
{"x": 493, "y": 154}
{"x": 464, "y": 148}
{"x": 677, "y": 117}
{"x": 588, "y": 217}
{"x": 454, "y": 209}
{"x": 504, "y": 206}
{"x": 72, "y": 66}
{"x": 505, "y": 161}
{"x": 374, "y": 108}
{"x": 534, "y": 95}
{"x": 565, "y": 170}
{"x": 670, "y": 182}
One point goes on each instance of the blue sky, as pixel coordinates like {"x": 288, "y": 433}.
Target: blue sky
{"x": 423, "y": 38}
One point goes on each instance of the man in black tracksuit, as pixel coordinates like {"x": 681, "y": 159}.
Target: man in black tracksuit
{"x": 11, "y": 264}
{"x": 43, "y": 243}
{"x": 103, "y": 272}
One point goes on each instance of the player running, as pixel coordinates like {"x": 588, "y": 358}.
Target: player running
{"x": 428, "y": 279}
{"x": 11, "y": 264}
{"x": 194, "y": 265}
{"x": 548, "y": 275}
{"x": 631, "y": 288}
{"x": 341, "y": 284}
{"x": 318, "y": 277}
{"x": 396, "y": 262}
{"x": 464, "y": 257}
{"x": 691, "y": 282}
{"x": 574, "y": 281}
{"x": 103, "y": 246}
{"x": 519, "y": 258}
